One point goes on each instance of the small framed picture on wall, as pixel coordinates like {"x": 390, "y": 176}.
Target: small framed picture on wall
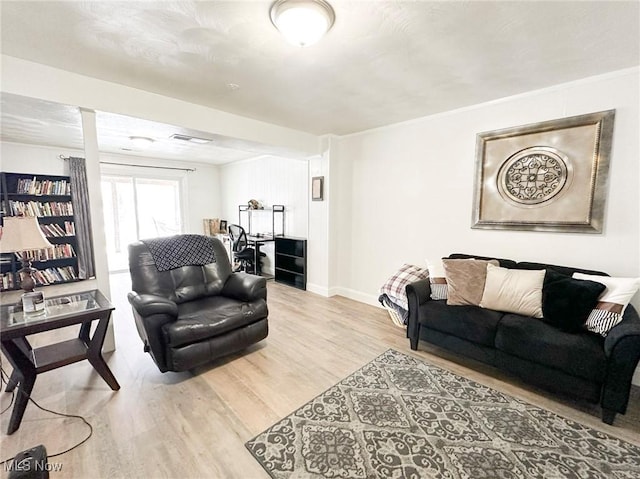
{"x": 317, "y": 187}
{"x": 223, "y": 226}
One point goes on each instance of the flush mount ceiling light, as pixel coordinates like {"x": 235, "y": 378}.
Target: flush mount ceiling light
{"x": 141, "y": 141}
{"x": 302, "y": 22}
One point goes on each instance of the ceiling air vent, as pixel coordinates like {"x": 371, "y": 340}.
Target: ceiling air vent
{"x": 191, "y": 139}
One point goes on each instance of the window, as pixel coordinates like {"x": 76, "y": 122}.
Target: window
{"x": 138, "y": 207}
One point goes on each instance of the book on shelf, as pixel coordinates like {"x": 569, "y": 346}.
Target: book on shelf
{"x": 54, "y": 275}
{"x": 32, "y": 186}
{"x": 7, "y": 281}
{"x": 68, "y": 273}
{"x": 40, "y": 209}
{"x": 70, "y": 228}
{"x": 57, "y": 251}
{"x": 54, "y": 230}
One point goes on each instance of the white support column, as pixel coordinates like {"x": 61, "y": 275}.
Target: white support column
{"x": 318, "y": 229}
{"x": 92, "y": 157}
{"x": 321, "y": 248}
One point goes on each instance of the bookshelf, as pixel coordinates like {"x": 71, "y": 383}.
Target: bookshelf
{"x": 48, "y": 198}
{"x": 291, "y": 261}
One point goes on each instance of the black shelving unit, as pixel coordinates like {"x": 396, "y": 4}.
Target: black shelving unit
{"x": 48, "y": 197}
{"x": 291, "y": 261}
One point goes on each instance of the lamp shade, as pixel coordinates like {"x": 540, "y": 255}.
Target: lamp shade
{"x": 302, "y": 22}
{"x": 22, "y": 233}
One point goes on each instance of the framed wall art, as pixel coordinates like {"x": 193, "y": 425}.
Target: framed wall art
{"x": 317, "y": 187}
{"x": 548, "y": 176}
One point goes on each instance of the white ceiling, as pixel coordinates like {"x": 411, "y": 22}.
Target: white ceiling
{"x": 382, "y": 62}
{"x": 33, "y": 121}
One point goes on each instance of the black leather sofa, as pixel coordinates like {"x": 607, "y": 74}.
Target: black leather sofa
{"x": 191, "y": 314}
{"x": 583, "y": 365}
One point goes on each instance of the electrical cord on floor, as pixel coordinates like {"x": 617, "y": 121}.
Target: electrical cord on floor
{"x": 4, "y": 379}
{"x": 13, "y": 398}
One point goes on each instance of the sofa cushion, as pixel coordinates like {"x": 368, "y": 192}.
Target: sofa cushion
{"x": 612, "y": 303}
{"x": 192, "y": 355}
{"x": 465, "y": 280}
{"x": 467, "y": 322}
{"x": 513, "y": 290}
{"x": 211, "y": 316}
{"x": 567, "y": 302}
{"x": 580, "y": 355}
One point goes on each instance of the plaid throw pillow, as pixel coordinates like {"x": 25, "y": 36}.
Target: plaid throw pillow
{"x": 395, "y": 286}
{"x": 612, "y": 303}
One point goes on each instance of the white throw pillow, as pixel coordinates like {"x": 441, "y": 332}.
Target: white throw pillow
{"x": 513, "y": 290}
{"x": 611, "y": 303}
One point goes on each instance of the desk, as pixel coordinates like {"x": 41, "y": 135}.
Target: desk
{"x": 255, "y": 242}
{"x": 60, "y": 311}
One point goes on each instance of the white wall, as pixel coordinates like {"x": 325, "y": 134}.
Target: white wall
{"x": 412, "y": 188}
{"x": 272, "y": 181}
{"x": 43, "y": 160}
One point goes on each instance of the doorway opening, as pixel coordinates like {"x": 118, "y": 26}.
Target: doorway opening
{"x": 138, "y": 207}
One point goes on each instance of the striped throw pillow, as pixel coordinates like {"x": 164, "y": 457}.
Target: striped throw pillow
{"x": 437, "y": 280}
{"x": 611, "y": 303}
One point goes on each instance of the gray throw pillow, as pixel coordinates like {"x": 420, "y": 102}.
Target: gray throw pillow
{"x": 465, "y": 280}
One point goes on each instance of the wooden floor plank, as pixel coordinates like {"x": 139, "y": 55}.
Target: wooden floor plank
{"x": 195, "y": 425}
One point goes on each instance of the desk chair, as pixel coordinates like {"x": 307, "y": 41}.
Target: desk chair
{"x": 242, "y": 254}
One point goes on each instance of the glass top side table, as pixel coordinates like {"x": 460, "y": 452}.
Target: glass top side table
{"x": 77, "y": 308}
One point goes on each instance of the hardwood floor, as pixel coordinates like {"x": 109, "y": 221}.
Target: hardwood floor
{"x": 195, "y": 425}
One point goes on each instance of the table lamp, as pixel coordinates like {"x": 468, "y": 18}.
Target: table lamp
{"x": 21, "y": 234}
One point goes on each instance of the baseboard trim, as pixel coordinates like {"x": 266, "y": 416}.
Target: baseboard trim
{"x": 358, "y": 296}
{"x": 346, "y": 292}
{"x": 335, "y": 291}
{"x": 317, "y": 289}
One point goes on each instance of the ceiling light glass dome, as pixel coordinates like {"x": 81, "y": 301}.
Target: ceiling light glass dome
{"x": 302, "y": 22}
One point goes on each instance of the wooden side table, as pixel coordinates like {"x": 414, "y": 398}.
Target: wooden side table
{"x": 77, "y": 308}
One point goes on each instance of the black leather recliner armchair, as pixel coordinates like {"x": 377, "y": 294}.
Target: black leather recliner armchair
{"x": 190, "y": 308}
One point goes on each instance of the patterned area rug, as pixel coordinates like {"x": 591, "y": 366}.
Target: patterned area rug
{"x": 399, "y": 417}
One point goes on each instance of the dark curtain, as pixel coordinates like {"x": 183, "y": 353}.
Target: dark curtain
{"x": 80, "y": 202}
